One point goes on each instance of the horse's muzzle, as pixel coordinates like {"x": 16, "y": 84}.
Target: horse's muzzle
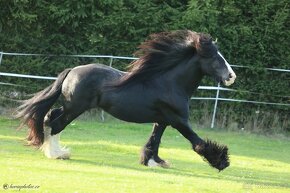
{"x": 230, "y": 80}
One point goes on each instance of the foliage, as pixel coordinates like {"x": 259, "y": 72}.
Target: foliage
{"x": 79, "y": 27}
{"x": 249, "y": 33}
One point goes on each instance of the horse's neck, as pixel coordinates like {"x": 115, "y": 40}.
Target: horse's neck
{"x": 188, "y": 77}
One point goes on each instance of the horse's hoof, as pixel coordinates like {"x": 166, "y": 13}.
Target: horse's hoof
{"x": 164, "y": 164}
{"x": 215, "y": 154}
{"x": 60, "y": 153}
{"x": 153, "y": 163}
{"x": 64, "y": 154}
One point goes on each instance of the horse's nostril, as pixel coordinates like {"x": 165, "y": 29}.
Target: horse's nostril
{"x": 232, "y": 75}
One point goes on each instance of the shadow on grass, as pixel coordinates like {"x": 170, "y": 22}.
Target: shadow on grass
{"x": 242, "y": 144}
{"x": 248, "y": 182}
{"x": 250, "y": 177}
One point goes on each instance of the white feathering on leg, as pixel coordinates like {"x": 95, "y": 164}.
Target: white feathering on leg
{"x": 152, "y": 163}
{"x": 51, "y": 146}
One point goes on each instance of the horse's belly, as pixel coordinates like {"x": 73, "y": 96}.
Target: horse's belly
{"x": 134, "y": 104}
{"x": 133, "y": 114}
{"x": 131, "y": 109}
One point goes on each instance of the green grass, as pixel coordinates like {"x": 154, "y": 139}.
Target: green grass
{"x": 105, "y": 159}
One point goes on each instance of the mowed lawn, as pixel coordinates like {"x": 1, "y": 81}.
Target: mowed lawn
{"x": 105, "y": 158}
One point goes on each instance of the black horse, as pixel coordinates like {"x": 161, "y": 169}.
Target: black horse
{"x": 157, "y": 89}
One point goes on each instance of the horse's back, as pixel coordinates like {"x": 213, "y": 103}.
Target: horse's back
{"x": 95, "y": 72}
{"x": 83, "y": 84}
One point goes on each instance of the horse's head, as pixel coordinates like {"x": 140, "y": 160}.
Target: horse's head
{"x": 213, "y": 63}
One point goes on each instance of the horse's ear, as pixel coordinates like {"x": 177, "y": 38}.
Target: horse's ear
{"x": 205, "y": 45}
{"x": 215, "y": 41}
{"x": 205, "y": 39}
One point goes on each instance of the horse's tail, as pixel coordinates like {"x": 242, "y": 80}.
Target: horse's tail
{"x": 33, "y": 110}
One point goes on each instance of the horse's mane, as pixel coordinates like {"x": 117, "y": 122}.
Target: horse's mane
{"x": 163, "y": 51}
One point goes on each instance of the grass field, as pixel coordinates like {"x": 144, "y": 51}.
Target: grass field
{"x": 105, "y": 159}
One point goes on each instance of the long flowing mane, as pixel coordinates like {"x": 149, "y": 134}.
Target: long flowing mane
{"x": 163, "y": 51}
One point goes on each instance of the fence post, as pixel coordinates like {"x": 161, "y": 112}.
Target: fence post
{"x": 102, "y": 115}
{"x": 215, "y": 106}
{"x": 111, "y": 61}
{"x": 1, "y": 55}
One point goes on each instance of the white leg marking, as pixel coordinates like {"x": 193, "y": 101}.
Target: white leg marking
{"x": 51, "y": 146}
{"x": 152, "y": 163}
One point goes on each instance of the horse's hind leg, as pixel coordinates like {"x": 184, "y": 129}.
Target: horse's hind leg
{"x": 55, "y": 121}
{"x": 149, "y": 154}
{"x": 51, "y": 146}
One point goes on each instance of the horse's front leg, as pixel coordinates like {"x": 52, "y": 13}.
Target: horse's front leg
{"x": 149, "y": 154}
{"x": 216, "y": 155}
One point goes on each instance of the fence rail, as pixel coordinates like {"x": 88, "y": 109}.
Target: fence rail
{"x": 218, "y": 88}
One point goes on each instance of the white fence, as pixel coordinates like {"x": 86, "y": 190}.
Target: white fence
{"x": 218, "y": 88}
